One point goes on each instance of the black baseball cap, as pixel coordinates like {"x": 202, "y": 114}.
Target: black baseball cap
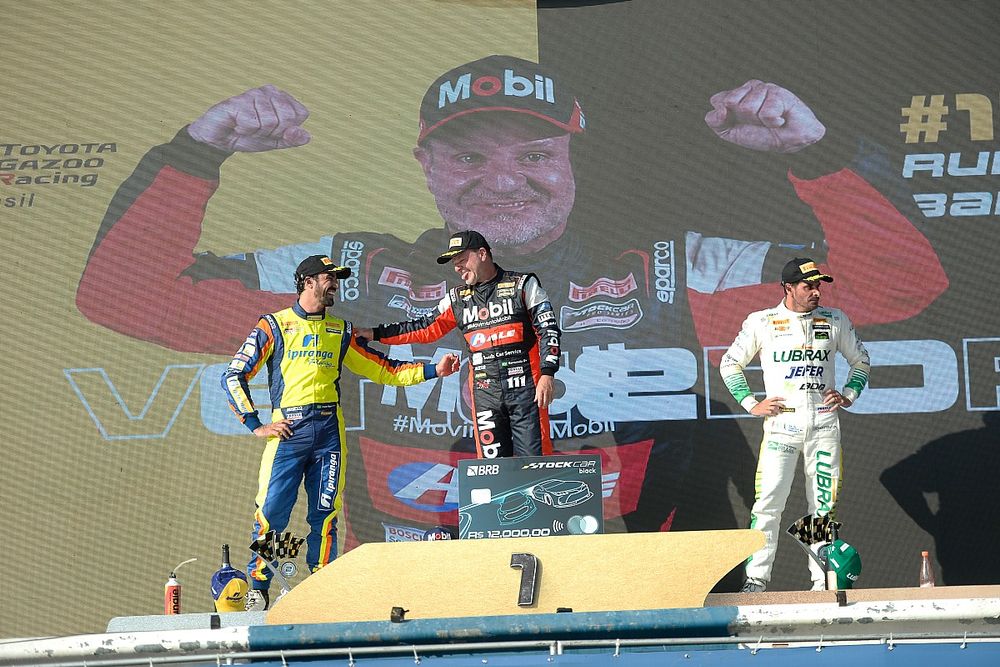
{"x": 499, "y": 83}
{"x": 460, "y": 242}
{"x": 317, "y": 264}
{"x": 803, "y": 268}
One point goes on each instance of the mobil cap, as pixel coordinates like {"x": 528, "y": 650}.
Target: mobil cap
{"x": 500, "y": 83}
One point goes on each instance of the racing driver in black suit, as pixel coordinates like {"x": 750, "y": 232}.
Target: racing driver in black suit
{"x": 505, "y": 318}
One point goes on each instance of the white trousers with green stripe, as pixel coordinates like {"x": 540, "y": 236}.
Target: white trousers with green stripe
{"x": 784, "y": 442}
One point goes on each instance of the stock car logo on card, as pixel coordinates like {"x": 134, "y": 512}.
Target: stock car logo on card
{"x": 530, "y": 496}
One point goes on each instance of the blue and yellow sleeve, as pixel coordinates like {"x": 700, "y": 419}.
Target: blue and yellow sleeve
{"x": 247, "y": 361}
{"x": 377, "y": 367}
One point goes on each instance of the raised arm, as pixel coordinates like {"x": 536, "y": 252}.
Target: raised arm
{"x": 377, "y": 367}
{"x": 869, "y": 241}
{"x": 421, "y": 330}
{"x": 171, "y": 297}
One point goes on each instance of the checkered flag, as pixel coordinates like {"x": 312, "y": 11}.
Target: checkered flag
{"x": 272, "y": 546}
{"x": 286, "y": 546}
{"x": 263, "y": 546}
{"x": 812, "y": 529}
{"x": 815, "y": 534}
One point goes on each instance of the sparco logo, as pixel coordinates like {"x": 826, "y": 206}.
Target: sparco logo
{"x": 505, "y": 307}
{"x": 663, "y": 270}
{"x": 513, "y": 85}
{"x": 350, "y": 256}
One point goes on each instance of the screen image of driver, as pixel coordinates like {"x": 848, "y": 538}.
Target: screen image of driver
{"x": 496, "y": 156}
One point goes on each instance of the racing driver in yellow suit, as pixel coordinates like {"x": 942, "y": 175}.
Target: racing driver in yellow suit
{"x": 304, "y": 348}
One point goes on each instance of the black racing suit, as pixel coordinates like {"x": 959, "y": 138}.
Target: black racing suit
{"x": 505, "y": 322}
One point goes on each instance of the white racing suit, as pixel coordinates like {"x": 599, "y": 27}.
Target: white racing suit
{"x": 797, "y": 353}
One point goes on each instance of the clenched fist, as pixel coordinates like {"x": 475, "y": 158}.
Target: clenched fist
{"x": 764, "y": 117}
{"x": 260, "y": 119}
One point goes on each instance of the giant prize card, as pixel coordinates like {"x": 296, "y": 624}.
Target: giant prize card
{"x": 530, "y": 496}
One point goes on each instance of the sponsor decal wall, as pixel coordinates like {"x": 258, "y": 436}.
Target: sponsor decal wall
{"x": 139, "y": 260}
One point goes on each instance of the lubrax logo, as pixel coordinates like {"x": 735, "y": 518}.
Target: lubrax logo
{"x": 802, "y": 355}
{"x": 513, "y": 85}
{"x": 825, "y": 483}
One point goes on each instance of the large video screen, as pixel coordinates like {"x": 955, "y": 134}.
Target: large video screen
{"x": 147, "y": 231}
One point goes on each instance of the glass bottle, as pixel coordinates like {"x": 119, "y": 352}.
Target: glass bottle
{"x": 926, "y": 571}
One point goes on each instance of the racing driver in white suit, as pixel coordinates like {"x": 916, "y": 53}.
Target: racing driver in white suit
{"x": 797, "y": 341}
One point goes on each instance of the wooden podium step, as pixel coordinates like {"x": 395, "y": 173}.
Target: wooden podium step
{"x": 455, "y": 578}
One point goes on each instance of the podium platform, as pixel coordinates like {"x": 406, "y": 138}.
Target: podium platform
{"x": 580, "y": 573}
{"x": 630, "y": 599}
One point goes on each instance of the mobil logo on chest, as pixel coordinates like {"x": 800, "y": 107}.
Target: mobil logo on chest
{"x": 472, "y": 314}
